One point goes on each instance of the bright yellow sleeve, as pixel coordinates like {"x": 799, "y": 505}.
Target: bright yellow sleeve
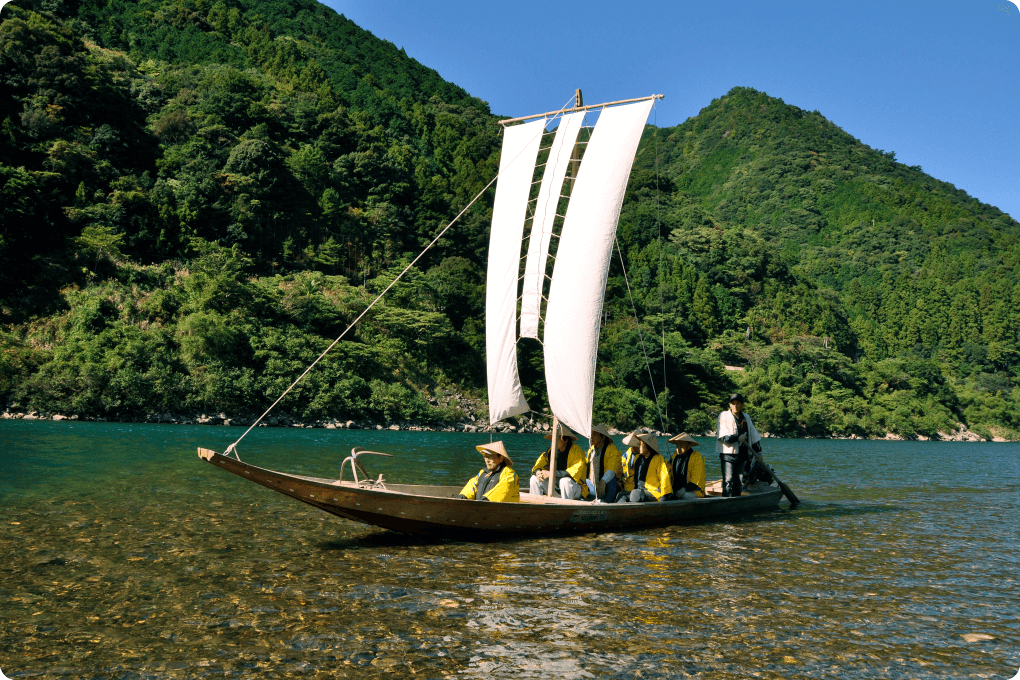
{"x": 614, "y": 462}
{"x": 469, "y": 489}
{"x": 508, "y": 489}
{"x": 542, "y": 463}
{"x": 696, "y": 471}
{"x": 577, "y": 464}
{"x": 664, "y": 478}
{"x": 627, "y": 480}
{"x": 658, "y": 470}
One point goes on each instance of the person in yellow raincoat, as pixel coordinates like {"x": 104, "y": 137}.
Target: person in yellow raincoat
{"x": 687, "y": 467}
{"x": 570, "y": 468}
{"x": 645, "y": 472}
{"x": 497, "y": 481}
{"x": 605, "y": 466}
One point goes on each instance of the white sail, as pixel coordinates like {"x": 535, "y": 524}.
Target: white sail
{"x": 545, "y": 215}
{"x": 582, "y": 263}
{"x": 516, "y": 168}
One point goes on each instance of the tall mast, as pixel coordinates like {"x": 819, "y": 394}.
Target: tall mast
{"x": 575, "y": 162}
{"x": 553, "y": 451}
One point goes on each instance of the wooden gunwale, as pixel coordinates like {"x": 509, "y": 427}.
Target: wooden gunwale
{"x": 414, "y": 509}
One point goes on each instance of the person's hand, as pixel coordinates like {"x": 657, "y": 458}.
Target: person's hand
{"x": 542, "y": 475}
{"x": 742, "y": 439}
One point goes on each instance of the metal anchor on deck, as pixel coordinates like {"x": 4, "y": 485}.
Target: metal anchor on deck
{"x": 356, "y": 465}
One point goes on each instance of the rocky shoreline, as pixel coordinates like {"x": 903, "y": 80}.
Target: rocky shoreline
{"x": 521, "y": 425}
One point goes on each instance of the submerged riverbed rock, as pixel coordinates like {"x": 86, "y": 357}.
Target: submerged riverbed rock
{"x": 977, "y": 637}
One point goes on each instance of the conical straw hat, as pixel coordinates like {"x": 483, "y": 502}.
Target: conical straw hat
{"x": 651, "y": 440}
{"x": 684, "y": 437}
{"x": 495, "y": 447}
{"x": 564, "y": 432}
{"x": 602, "y": 429}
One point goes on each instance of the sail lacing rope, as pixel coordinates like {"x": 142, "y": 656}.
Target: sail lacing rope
{"x": 544, "y": 221}
{"x": 233, "y": 447}
{"x": 658, "y": 228}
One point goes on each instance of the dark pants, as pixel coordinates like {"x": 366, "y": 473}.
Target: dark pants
{"x": 610, "y": 494}
{"x": 733, "y": 473}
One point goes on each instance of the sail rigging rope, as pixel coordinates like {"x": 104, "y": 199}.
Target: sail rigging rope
{"x": 648, "y": 365}
{"x": 233, "y": 447}
{"x": 658, "y": 228}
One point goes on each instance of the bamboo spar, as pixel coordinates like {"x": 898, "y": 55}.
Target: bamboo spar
{"x": 553, "y": 450}
{"x": 578, "y": 108}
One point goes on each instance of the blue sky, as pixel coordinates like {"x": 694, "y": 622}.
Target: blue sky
{"x": 936, "y": 82}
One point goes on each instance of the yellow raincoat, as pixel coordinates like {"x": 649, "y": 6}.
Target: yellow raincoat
{"x": 577, "y": 464}
{"x": 612, "y": 460}
{"x": 657, "y": 481}
{"x": 695, "y": 473}
{"x": 507, "y": 489}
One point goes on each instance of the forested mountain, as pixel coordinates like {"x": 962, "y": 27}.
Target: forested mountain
{"x": 861, "y": 294}
{"x": 198, "y": 196}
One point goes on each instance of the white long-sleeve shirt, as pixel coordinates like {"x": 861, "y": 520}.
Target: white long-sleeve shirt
{"x": 728, "y": 427}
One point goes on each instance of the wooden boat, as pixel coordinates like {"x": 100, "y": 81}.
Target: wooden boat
{"x": 436, "y": 510}
{"x": 599, "y": 171}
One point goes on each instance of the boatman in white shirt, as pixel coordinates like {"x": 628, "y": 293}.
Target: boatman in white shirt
{"x": 735, "y": 437}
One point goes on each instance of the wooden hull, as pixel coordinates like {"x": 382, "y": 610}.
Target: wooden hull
{"x": 436, "y": 510}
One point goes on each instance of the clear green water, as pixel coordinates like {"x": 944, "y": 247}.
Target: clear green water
{"x": 125, "y": 556}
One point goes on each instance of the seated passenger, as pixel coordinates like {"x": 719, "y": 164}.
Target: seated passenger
{"x": 570, "y": 466}
{"x": 605, "y": 466}
{"x": 687, "y": 467}
{"x": 646, "y": 474}
{"x": 631, "y": 441}
{"x": 497, "y": 481}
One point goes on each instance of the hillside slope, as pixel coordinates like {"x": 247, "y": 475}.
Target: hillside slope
{"x": 842, "y": 279}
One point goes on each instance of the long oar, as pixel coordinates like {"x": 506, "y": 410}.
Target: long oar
{"x": 787, "y": 491}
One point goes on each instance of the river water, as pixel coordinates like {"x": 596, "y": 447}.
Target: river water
{"x": 125, "y": 556}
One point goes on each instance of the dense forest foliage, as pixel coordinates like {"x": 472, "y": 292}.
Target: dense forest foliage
{"x": 198, "y": 197}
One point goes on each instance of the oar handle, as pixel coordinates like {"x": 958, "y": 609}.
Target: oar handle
{"x": 787, "y": 491}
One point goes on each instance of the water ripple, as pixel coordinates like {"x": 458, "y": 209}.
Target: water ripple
{"x": 128, "y": 557}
